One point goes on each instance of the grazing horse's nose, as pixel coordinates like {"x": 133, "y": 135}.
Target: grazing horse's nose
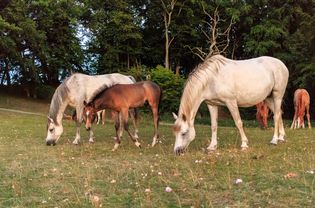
{"x": 88, "y": 128}
{"x": 179, "y": 150}
{"x": 50, "y": 142}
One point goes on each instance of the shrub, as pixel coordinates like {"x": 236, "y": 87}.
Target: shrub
{"x": 172, "y": 87}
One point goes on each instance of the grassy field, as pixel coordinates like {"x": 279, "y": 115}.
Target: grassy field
{"x": 91, "y": 175}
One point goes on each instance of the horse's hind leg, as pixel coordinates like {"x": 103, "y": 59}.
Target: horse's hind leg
{"x": 117, "y": 128}
{"x": 124, "y": 116}
{"x": 308, "y": 116}
{"x": 275, "y": 106}
{"x": 232, "y": 106}
{"x": 293, "y": 125}
{"x": 134, "y": 117}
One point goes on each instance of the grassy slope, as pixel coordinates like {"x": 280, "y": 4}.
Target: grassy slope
{"x": 34, "y": 175}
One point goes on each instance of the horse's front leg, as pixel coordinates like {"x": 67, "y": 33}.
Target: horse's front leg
{"x": 77, "y": 135}
{"x": 233, "y": 108}
{"x": 91, "y": 138}
{"x": 213, "y": 110}
{"x": 79, "y": 111}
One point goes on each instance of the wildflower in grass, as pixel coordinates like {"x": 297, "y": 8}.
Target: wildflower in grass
{"x": 168, "y": 189}
{"x": 113, "y": 181}
{"x": 238, "y": 181}
{"x": 290, "y": 175}
{"x": 147, "y": 190}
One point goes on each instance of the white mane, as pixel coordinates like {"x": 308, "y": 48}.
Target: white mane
{"x": 198, "y": 80}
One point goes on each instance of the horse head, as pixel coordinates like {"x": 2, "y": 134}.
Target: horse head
{"x": 54, "y": 132}
{"x": 184, "y": 133}
{"x": 89, "y": 114}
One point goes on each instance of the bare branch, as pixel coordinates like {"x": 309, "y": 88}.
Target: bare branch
{"x": 218, "y": 41}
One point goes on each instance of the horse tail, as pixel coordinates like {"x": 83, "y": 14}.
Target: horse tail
{"x": 301, "y": 104}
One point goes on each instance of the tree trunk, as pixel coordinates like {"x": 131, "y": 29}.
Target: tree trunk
{"x": 128, "y": 61}
{"x": 7, "y": 72}
{"x": 166, "y": 61}
{"x": 177, "y": 69}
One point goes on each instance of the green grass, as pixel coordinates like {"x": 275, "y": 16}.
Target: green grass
{"x": 35, "y": 175}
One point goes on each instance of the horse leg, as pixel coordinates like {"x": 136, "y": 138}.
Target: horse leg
{"x": 302, "y": 120}
{"x": 124, "y": 116}
{"x": 103, "y": 116}
{"x": 134, "y": 117}
{"x": 79, "y": 111}
{"x": 293, "y": 125}
{"x": 232, "y": 106}
{"x": 155, "y": 112}
{"x": 308, "y": 116}
{"x": 117, "y": 128}
{"x": 279, "y": 132}
{"x": 98, "y": 117}
{"x": 213, "y": 110}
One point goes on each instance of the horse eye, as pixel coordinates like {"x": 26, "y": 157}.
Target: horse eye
{"x": 184, "y": 133}
{"x": 51, "y": 130}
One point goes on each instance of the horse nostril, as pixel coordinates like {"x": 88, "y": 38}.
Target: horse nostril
{"x": 50, "y": 143}
{"x": 179, "y": 151}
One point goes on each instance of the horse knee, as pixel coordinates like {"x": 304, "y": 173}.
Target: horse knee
{"x": 126, "y": 127}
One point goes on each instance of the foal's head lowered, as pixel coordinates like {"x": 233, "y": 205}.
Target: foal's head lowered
{"x": 89, "y": 114}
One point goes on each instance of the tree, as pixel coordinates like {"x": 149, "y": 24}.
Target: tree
{"x": 116, "y": 40}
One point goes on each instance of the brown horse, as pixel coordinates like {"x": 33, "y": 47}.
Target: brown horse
{"x": 262, "y": 114}
{"x": 301, "y": 102}
{"x": 120, "y": 98}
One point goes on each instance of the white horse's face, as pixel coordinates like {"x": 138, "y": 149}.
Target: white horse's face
{"x": 54, "y": 132}
{"x": 184, "y": 133}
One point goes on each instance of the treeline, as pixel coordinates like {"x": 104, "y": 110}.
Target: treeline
{"x": 42, "y": 41}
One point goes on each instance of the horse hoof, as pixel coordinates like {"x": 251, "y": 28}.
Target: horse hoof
{"x": 138, "y": 144}
{"x": 91, "y": 140}
{"x": 244, "y": 148}
{"x": 273, "y": 143}
{"x": 75, "y": 142}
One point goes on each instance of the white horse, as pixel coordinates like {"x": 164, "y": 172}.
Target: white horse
{"x": 224, "y": 82}
{"x": 74, "y": 91}
{"x": 101, "y": 116}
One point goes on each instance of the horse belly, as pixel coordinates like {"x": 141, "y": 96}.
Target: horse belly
{"x": 250, "y": 86}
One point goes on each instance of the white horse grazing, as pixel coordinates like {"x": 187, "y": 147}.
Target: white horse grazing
{"x": 221, "y": 81}
{"x": 74, "y": 91}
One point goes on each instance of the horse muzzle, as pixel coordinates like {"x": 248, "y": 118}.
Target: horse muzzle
{"x": 179, "y": 151}
{"x": 50, "y": 142}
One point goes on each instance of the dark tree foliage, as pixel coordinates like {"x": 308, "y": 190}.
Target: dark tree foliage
{"x": 43, "y": 41}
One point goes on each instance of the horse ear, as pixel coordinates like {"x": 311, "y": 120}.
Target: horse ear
{"x": 175, "y": 116}
{"x": 184, "y": 117}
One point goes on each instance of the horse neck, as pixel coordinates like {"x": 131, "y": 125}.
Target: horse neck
{"x": 191, "y": 101}
{"x": 57, "y": 108}
{"x": 100, "y": 103}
